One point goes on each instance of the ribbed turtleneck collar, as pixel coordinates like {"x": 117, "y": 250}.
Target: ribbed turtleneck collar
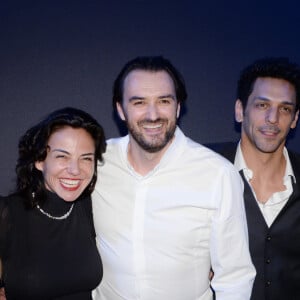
{"x": 55, "y": 205}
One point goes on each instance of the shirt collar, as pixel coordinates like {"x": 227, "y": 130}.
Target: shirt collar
{"x": 171, "y": 154}
{"x": 240, "y": 164}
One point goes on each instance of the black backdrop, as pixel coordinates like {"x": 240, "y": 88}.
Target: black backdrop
{"x": 67, "y": 53}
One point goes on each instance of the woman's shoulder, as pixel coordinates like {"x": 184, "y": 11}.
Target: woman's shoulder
{"x": 11, "y": 198}
{"x": 5, "y": 222}
{"x": 12, "y": 202}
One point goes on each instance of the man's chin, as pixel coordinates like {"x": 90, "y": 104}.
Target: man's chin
{"x": 153, "y": 148}
{"x": 154, "y": 143}
{"x": 268, "y": 148}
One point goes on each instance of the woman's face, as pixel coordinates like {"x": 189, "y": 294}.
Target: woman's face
{"x": 70, "y": 163}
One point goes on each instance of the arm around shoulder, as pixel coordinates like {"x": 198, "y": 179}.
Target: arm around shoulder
{"x": 231, "y": 262}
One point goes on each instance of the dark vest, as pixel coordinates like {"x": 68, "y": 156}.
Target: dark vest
{"x": 275, "y": 251}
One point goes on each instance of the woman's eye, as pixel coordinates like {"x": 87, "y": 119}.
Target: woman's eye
{"x": 88, "y": 158}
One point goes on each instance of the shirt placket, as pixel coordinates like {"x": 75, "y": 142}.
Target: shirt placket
{"x": 138, "y": 237}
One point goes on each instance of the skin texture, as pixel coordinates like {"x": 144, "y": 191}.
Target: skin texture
{"x": 150, "y": 110}
{"x": 2, "y": 294}
{"x": 69, "y": 165}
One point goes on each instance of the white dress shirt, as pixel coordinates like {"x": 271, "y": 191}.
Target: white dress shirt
{"x": 271, "y": 208}
{"x": 159, "y": 234}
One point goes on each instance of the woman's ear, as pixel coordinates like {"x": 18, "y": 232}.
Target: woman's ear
{"x": 39, "y": 165}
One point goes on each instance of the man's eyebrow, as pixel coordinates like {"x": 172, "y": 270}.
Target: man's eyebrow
{"x": 167, "y": 96}
{"x": 261, "y": 98}
{"x": 133, "y": 98}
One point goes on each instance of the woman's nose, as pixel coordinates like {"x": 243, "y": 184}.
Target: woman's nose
{"x": 73, "y": 167}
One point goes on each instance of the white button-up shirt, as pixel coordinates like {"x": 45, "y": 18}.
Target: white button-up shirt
{"x": 271, "y": 208}
{"x": 160, "y": 234}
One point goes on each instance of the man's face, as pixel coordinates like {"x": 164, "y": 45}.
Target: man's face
{"x": 269, "y": 114}
{"x": 150, "y": 109}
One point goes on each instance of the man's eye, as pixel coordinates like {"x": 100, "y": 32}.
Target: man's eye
{"x": 261, "y": 105}
{"x": 165, "y": 101}
{"x": 137, "y": 103}
{"x": 286, "y": 109}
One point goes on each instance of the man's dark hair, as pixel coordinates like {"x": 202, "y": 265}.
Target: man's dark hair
{"x": 153, "y": 64}
{"x": 33, "y": 147}
{"x": 273, "y": 67}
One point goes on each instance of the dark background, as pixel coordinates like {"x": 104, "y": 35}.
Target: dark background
{"x": 67, "y": 53}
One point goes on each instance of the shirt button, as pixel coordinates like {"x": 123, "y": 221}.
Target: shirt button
{"x": 268, "y": 261}
{"x": 268, "y": 283}
{"x": 268, "y": 238}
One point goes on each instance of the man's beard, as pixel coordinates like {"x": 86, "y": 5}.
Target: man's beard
{"x": 157, "y": 143}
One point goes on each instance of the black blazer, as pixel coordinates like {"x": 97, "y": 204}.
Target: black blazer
{"x": 275, "y": 251}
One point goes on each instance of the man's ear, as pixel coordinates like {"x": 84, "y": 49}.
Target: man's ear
{"x": 120, "y": 111}
{"x": 294, "y": 123}
{"x": 239, "y": 112}
{"x": 178, "y": 110}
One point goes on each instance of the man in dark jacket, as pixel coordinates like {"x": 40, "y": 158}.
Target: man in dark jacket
{"x": 267, "y": 107}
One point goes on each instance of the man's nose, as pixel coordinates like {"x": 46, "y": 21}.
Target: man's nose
{"x": 152, "y": 111}
{"x": 272, "y": 115}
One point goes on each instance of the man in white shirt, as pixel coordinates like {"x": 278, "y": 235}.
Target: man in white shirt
{"x": 167, "y": 210}
{"x": 267, "y": 107}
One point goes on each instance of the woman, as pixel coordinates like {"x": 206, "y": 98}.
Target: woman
{"x": 47, "y": 239}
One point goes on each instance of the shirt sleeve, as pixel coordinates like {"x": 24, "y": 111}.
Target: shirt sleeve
{"x": 233, "y": 269}
{"x": 5, "y": 224}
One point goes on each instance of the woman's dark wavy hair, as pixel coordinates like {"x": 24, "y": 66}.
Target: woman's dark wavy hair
{"x": 33, "y": 146}
{"x": 274, "y": 67}
{"x": 152, "y": 64}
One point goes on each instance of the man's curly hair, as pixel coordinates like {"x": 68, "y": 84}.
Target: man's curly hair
{"x": 273, "y": 67}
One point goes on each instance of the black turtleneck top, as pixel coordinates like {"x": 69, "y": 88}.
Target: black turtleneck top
{"x": 44, "y": 258}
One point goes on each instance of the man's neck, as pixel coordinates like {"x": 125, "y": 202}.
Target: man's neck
{"x": 141, "y": 160}
{"x": 268, "y": 170}
{"x": 261, "y": 162}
